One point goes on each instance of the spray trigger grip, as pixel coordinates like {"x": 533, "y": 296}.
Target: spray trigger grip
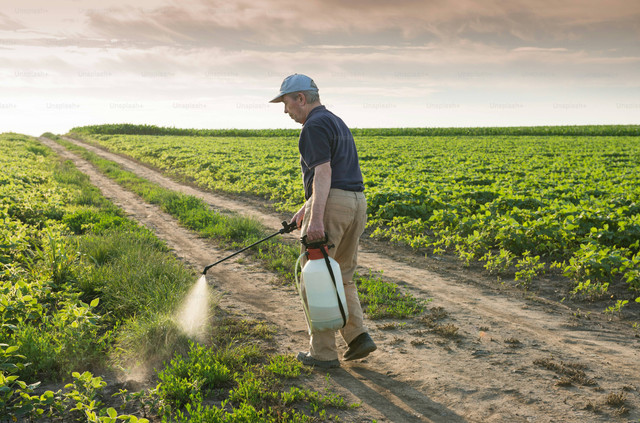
{"x": 288, "y": 227}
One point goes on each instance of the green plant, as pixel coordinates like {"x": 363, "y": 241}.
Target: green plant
{"x": 497, "y": 264}
{"x": 84, "y": 392}
{"x": 384, "y": 299}
{"x": 68, "y": 338}
{"x": 528, "y": 268}
{"x": 617, "y": 308}
{"x": 190, "y": 377}
{"x": 250, "y": 390}
{"x": 16, "y": 399}
{"x": 82, "y": 400}
{"x": 146, "y": 400}
{"x": 59, "y": 258}
{"x": 285, "y": 366}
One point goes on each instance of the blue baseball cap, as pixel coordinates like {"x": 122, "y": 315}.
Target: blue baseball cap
{"x": 293, "y": 84}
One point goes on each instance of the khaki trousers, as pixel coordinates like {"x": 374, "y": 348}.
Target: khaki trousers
{"x": 345, "y": 217}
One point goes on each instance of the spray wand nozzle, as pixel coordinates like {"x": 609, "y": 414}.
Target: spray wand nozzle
{"x": 286, "y": 228}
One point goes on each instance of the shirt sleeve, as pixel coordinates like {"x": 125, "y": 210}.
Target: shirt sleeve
{"x": 314, "y": 145}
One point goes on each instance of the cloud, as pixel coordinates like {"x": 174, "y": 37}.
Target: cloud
{"x": 9, "y": 24}
{"x": 283, "y": 23}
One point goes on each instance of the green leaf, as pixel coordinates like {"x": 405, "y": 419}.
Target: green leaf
{"x": 11, "y": 349}
{"x": 95, "y": 302}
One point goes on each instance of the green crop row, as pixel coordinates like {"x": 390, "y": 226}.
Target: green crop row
{"x": 585, "y": 130}
{"x": 521, "y": 204}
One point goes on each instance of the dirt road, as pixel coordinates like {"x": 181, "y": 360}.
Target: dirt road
{"x": 490, "y": 357}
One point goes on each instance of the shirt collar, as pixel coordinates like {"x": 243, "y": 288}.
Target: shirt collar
{"x": 314, "y": 110}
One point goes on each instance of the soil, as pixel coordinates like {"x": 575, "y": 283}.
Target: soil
{"x": 483, "y": 351}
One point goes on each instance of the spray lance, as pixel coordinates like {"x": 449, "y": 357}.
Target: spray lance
{"x": 286, "y": 228}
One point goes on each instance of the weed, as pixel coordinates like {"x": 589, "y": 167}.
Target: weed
{"x": 396, "y": 341}
{"x": 616, "y": 399}
{"x": 621, "y": 411}
{"x": 140, "y": 281}
{"x": 284, "y": 366}
{"x": 59, "y": 258}
{"x": 593, "y": 407}
{"x": 190, "y": 378}
{"x": 228, "y": 329}
{"x": 384, "y": 299}
{"x": 513, "y": 342}
{"x": 574, "y": 372}
{"x": 438, "y": 313}
{"x": 564, "y": 382}
{"x": 433, "y": 316}
{"x": 389, "y": 326}
{"x": 446, "y": 331}
{"x": 146, "y": 401}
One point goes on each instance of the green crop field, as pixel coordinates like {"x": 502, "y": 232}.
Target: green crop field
{"x": 519, "y": 200}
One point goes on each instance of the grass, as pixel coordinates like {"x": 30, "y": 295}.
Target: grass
{"x": 382, "y": 299}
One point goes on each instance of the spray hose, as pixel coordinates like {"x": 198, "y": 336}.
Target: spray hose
{"x": 304, "y": 302}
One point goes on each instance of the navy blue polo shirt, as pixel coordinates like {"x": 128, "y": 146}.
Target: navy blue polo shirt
{"x": 326, "y": 138}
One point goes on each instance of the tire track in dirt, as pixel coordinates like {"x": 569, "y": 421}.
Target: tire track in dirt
{"x": 479, "y": 376}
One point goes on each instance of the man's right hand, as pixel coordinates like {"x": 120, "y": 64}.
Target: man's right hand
{"x": 298, "y": 217}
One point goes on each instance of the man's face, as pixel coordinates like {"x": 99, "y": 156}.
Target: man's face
{"x": 293, "y": 107}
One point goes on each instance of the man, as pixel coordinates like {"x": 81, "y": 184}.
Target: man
{"x": 335, "y": 204}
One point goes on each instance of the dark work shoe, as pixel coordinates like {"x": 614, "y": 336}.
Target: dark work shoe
{"x": 360, "y": 347}
{"x": 306, "y": 359}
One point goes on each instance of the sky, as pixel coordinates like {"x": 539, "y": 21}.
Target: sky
{"x": 378, "y": 63}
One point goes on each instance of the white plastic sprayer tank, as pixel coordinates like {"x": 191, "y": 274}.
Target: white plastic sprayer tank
{"x": 319, "y": 294}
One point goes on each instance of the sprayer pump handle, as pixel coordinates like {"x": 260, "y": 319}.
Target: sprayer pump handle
{"x": 315, "y": 244}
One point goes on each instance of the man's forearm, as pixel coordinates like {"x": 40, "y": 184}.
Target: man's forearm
{"x": 321, "y": 187}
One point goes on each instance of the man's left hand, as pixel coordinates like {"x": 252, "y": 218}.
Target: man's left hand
{"x": 315, "y": 230}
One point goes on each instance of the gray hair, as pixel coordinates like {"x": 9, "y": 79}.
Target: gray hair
{"x": 310, "y": 95}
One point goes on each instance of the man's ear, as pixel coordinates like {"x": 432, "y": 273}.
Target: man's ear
{"x": 301, "y": 98}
